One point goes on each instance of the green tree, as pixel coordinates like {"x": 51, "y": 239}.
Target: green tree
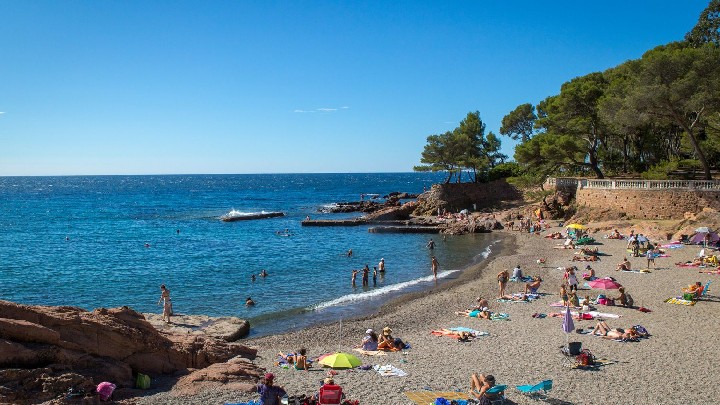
{"x": 519, "y": 124}
{"x": 707, "y": 29}
{"x": 680, "y": 85}
{"x": 574, "y": 113}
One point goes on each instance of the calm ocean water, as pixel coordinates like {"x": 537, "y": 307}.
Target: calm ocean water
{"x": 82, "y": 241}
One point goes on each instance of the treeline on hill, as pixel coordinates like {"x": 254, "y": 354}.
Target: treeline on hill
{"x": 657, "y": 117}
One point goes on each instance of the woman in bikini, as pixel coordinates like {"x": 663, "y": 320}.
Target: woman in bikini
{"x": 503, "y": 278}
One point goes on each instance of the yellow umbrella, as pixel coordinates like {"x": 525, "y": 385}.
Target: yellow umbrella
{"x": 340, "y": 360}
{"x": 575, "y": 226}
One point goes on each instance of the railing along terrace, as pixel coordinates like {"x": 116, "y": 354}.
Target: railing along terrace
{"x": 624, "y": 184}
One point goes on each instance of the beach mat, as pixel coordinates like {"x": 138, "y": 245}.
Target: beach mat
{"x": 389, "y": 371}
{"x": 680, "y": 301}
{"x": 370, "y": 352}
{"x": 428, "y": 397}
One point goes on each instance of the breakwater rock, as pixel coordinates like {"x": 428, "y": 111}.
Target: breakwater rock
{"x": 46, "y": 350}
{"x": 227, "y": 328}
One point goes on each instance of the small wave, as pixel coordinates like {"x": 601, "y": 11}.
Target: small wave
{"x": 352, "y": 298}
{"x": 236, "y": 213}
{"x": 488, "y": 250}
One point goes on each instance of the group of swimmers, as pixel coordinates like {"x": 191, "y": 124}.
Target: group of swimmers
{"x": 380, "y": 268}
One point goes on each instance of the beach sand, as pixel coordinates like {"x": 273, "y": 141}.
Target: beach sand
{"x": 678, "y": 364}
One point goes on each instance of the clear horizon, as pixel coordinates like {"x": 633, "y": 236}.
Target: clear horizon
{"x": 131, "y": 88}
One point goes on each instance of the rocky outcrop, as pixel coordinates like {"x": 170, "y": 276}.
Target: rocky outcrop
{"x": 45, "y": 350}
{"x": 227, "y": 328}
{"x": 454, "y": 197}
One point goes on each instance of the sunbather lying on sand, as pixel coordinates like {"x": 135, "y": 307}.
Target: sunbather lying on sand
{"x": 585, "y": 258}
{"x": 522, "y": 297}
{"x": 554, "y": 235}
{"x": 602, "y": 329}
{"x": 476, "y": 313}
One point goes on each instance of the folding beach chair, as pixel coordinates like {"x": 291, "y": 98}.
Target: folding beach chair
{"x": 496, "y": 394}
{"x": 330, "y": 394}
{"x": 538, "y": 390}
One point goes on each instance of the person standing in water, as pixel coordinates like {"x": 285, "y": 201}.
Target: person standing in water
{"x": 375, "y": 271}
{"x": 381, "y": 266}
{"x": 167, "y": 304}
{"x": 366, "y": 276}
{"x": 434, "y": 264}
{"x": 431, "y": 245}
{"x": 354, "y": 277}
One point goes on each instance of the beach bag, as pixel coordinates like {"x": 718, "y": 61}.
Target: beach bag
{"x": 585, "y": 358}
{"x": 105, "y": 390}
{"x": 602, "y": 301}
{"x": 689, "y": 296}
{"x": 142, "y": 381}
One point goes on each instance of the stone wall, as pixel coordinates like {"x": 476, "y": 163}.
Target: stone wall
{"x": 648, "y": 204}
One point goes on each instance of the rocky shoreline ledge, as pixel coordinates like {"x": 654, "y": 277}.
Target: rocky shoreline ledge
{"x": 46, "y": 350}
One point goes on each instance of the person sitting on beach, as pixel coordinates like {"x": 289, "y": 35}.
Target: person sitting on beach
{"x": 328, "y": 382}
{"x": 270, "y": 394}
{"x": 479, "y": 386}
{"x": 624, "y": 265}
{"x": 615, "y": 235}
{"x": 533, "y": 286}
{"x": 695, "y": 289}
{"x": 589, "y": 274}
{"x": 369, "y": 341}
{"x": 573, "y": 300}
{"x": 517, "y": 272}
{"x": 622, "y": 298}
{"x": 481, "y": 303}
{"x": 387, "y": 343}
{"x": 301, "y": 360}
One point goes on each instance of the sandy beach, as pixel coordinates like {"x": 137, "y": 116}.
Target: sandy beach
{"x": 673, "y": 366}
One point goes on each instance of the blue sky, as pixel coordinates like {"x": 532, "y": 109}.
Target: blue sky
{"x": 161, "y": 87}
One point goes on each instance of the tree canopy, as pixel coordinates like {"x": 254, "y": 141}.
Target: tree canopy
{"x": 466, "y": 149}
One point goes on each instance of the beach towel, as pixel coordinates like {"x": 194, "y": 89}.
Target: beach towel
{"x": 455, "y": 332}
{"x": 429, "y": 397}
{"x": 370, "y": 352}
{"x": 560, "y": 304}
{"x": 679, "y": 301}
{"x": 520, "y": 279}
{"x": 507, "y": 300}
{"x": 389, "y": 371}
{"x": 643, "y": 271}
{"x": 499, "y": 316}
{"x": 601, "y": 314}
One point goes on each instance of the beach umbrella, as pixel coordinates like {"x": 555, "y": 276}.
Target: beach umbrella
{"x": 604, "y": 284}
{"x": 703, "y": 229}
{"x": 567, "y": 324}
{"x": 340, "y": 360}
{"x": 575, "y": 226}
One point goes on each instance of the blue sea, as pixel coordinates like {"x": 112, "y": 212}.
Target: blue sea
{"x": 109, "y": 241}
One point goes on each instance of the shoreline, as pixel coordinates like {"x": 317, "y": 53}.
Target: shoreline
{"x": 524, "y": 350}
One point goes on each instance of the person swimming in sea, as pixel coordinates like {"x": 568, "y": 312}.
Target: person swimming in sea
{"x": 249, "y": 302}
{"x": 263, "y": 273}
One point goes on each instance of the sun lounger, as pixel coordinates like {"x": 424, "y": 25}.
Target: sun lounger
{"x": 538, "y": 390}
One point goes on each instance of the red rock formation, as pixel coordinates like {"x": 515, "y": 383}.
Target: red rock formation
{"x": 46, "y": 350}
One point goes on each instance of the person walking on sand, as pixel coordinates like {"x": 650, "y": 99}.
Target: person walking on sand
{"x": 434, "y": 265}
{"x": 381, "y": 266}
{"x": 354, "y": 277}
{"x": 167, "y": 303}
{"x": 431, "y": 245}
